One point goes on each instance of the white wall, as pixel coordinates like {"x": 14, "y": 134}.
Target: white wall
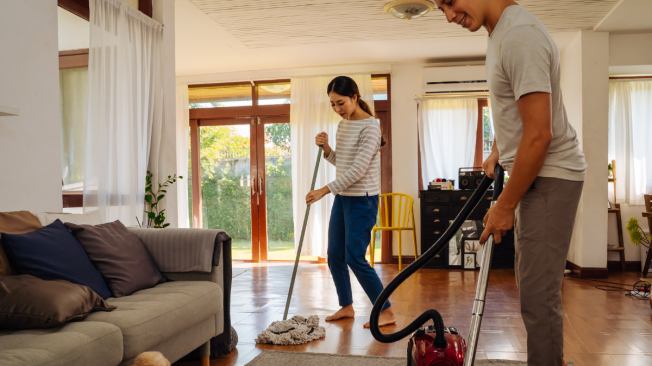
{"x": 406, "y": 85}
{"x": 585, "y": 86}
{"x": 630, "y": 49}
{"x": 30, "y": 147}
{"x": 73, "y": 31}
{"x": 571, "y": 86}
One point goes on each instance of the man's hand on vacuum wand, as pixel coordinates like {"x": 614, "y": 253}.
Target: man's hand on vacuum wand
{"x": 498, "y": 229}
{"x": 316, "y": 195}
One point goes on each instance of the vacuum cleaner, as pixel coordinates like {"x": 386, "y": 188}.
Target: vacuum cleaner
{"x": 438, "y": 345}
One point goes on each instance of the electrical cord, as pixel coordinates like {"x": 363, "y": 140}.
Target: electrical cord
{"x": 640, "y": 290}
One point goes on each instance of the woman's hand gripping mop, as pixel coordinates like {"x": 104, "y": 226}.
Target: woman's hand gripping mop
{"x": 297, "y": 330}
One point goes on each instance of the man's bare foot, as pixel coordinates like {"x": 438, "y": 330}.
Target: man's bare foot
{"x": 386, "y": 318}
{"x": 345, "y": 312}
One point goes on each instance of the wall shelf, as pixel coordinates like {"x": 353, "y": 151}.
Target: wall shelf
{"x": 8, "y": 111}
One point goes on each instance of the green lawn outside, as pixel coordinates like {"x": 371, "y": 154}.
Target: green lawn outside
{"x": 280, "y": 250}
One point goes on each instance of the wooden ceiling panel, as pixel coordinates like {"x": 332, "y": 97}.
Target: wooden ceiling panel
{"x": 277, "y": 23}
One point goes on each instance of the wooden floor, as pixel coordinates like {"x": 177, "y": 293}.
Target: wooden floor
{"x": 600, "y": 328}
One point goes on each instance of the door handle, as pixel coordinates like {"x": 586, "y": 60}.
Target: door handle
{"x": 260, "y": 186}
{"x": 253, "y": 186}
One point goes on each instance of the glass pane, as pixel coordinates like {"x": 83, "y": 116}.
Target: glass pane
{"x": 379, "y": 86}
{"x": 274, "y": 93}
{"x": 220, "y": 96}
{"x": 73, "y": 84}
{"x": 487, "y": 133}
{"x": 278, "y": 170}
{"x": 225, "y": 184}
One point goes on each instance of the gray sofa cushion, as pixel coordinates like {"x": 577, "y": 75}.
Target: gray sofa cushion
{"x": 148, "y": 317}
{"x": 72, "y": 344}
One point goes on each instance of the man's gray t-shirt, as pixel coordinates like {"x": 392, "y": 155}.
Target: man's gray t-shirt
{"x": 522, "y": 58}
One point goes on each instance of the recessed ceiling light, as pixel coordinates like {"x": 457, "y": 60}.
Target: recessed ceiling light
{"x": 408, "y": 9}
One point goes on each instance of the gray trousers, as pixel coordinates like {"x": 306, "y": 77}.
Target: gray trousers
{"x": 542, "y": 231}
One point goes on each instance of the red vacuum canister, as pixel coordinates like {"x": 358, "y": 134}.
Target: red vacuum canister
{"x": 423, "y": 352}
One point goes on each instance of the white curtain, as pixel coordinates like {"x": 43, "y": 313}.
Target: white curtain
{"x": 630, "y": 138}
{"x": 447, "y": 133}
{"x": 124, "y": 104}
{"x": 310, "y": 114}
{"x": 183, "y": 134}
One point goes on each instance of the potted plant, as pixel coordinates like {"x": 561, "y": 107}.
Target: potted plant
{"x": 637, "y": 235}
{"x": 155, "y": 217}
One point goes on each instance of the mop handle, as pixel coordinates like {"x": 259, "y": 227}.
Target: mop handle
{"x": 483, "y": 278}
{"x": 303, "y": 233}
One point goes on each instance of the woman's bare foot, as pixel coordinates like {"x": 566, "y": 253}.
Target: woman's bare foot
{"x": 345, "y": 312}
{"x": 386, "y": 318}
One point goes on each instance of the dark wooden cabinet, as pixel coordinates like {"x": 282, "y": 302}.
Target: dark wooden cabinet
{"x": 439, "y": 208}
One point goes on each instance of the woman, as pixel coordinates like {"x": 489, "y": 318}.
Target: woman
{"x": 356, "y": 191}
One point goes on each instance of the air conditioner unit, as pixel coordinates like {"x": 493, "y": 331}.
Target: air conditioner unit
{"x": 454, "y": 80}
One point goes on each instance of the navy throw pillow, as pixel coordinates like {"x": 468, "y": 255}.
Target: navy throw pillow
{"x": 53, "y": 253}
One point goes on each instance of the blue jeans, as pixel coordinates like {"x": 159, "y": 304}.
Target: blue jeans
{"x": 349, "y": 235}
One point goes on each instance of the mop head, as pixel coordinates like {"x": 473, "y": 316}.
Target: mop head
{"x": 297, "y": 330}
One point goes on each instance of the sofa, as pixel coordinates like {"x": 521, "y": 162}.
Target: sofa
{"x": 188, "y": 312}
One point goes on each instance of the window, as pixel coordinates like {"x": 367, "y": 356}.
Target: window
{"x": 73, "y": 85}
{"x": 274, "y": 93}
{"x": 379, "y": 85}
{"x": 487, "y": 133}
{"x": 220, "y": 96}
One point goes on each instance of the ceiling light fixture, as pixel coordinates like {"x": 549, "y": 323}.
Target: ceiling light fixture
{"x": 408, "y": 9}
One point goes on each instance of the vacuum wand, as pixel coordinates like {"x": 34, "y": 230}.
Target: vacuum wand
{"x": 483, "y": 279}
{"x": 303, "y": 234}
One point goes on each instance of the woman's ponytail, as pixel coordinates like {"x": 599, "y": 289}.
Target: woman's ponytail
{"x": 345, "y": 86}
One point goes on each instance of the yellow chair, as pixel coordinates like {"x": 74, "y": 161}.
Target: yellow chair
{"x": 401, "y": 218}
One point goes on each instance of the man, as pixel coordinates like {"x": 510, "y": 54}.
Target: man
{"x": 540, "y": 151}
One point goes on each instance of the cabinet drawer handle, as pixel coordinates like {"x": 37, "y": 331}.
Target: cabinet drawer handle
{"x": 437, "y": 232}
{"x": 464, "y": 198}
{"x": 436, "y": 198}
{"x": 488, "y": 198}
{"x": 437, "y": 220}
{"x": 435, "y": 210}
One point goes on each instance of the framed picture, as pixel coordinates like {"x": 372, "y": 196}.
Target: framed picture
{"x": 471, "y": 229}
{"x": 469, "y": 260}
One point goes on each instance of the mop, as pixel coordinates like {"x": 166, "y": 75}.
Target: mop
{"x": 297, "y": 330}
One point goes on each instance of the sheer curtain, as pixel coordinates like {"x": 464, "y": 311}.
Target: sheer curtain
{"x": 183, "y": 135}
{"x": 310, "y": 114}
{"x": 447, "y": 132}
{"x": 630, "y": 138}
{"x": 124, "y": 106}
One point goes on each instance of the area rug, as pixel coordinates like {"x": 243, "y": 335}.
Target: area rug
{"x": 283, "y": 358}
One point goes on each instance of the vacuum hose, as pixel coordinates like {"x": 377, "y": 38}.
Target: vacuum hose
{"x": 440, "y": 339}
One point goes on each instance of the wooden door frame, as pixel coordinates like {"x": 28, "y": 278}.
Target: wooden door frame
{"x": 386, "y": 162}
{"x": 222, "y": 116}
{"x": 81, "y": 8}
{"x": 479, "y": 136}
